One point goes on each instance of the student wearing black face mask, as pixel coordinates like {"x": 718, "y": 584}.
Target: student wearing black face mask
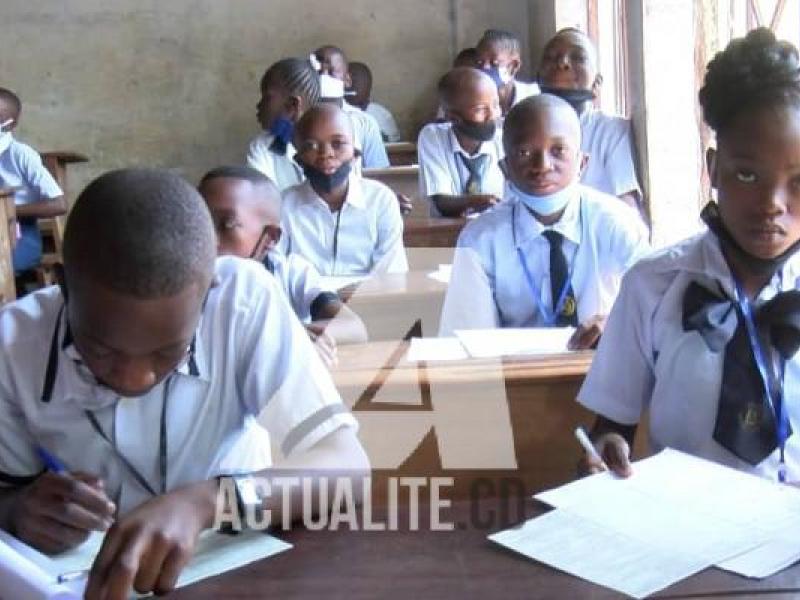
{"x": 459, "y": 160}
{"x": 342, "y": 224}
{"x": 569, "y": 70}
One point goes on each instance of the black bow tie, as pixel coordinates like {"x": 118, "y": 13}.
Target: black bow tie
{"x": 278, "y": 146}
{"x": 745, "y": 422}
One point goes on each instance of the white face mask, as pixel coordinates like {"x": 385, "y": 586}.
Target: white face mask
{"x": 5, "y": 140}
{"x": 549, "y": 204}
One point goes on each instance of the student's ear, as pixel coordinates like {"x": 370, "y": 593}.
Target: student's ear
{"x": 597, "y": 84}
{"x": 514, "y": 66}
{"x": 348, "y": 81}
{"x": 711, "y": 165}
{"x": 294, "y": 108}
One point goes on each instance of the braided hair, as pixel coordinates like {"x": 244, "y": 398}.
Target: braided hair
{"x": 297, "y": 76}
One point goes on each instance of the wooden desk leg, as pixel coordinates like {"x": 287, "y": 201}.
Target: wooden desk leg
{"x": 7, "y": 289}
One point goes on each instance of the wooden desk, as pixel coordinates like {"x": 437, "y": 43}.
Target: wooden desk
{"x": 56, "y": 162}
{"x": 401, "y": 153}
{"x": 402, "y": 180}
{"x": 431, "y": 232}
{"x": 527, "y": 401}
{"x": 460, "y": 564}
{"x": 8, "y": 233}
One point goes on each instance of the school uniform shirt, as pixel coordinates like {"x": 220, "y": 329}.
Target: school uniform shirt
{"x": 608, "y": 141}
{"x": 647, "y": 362}
{"x": 385, "y": 120}
{"x": 301, "y": 283}
{"x": 21, "y": 166}
{"x": 280, "y": 168}
{"x": 236, "y": 379}
{"x": 367, "y": 138}
{"x": 488, "y": 286}
{"x": 442, "y": 170}
{"x": 365, "y": 236}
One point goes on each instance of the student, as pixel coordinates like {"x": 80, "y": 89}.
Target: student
{"x": 681, "y": 340}
{"x": 246, "y": 209}
{"x": 467, "y": 57}
{"x": 333, "y": 63}
{"x": 143, "y": 373}
{"x": 553, "y": 254}
{"x": 361, "y": 84}
{"x": 288, "y": 88}
{"x": 459, "y": 160}
{"x": 38, "y": 197}
{"x": 569, "y": 70}
{"x": 342, "y": 224}
{"x": 498, "y": 55}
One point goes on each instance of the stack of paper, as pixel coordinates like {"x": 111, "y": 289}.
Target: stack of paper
{"x": 676, "y": 515}
{"x": 29, "y": 575}
{"x": 435, "y": 349}
{"x": 490, "y": 343}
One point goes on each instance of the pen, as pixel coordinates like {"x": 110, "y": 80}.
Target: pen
{"x": 589, "y": 446}
{"x": 72, "y": 575}
{"x": 50, "y": 461}
{"x": 6, "y": 123}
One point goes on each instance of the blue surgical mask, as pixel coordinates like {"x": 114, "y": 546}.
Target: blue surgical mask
{"x": 499, "y": 75}
{"x": 546, "y": 205}
{"x": 283, "y": 130}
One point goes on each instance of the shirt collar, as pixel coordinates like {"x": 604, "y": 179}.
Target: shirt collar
{"x": 529, "y": 227}
{"x": 484, "y": 148}
{"x": 291, "y": 151}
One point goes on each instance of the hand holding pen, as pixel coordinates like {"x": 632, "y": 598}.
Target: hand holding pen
{"x": 59, "y": 509}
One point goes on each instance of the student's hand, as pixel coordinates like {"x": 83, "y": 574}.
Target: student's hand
{"x": 57, "y": 512}
{"x": 587, "y": 334}
{"x": 614, "y": 451}
{"x": 482, "y": 201}
{"x": 406, "y": 204}
{"x": 324, "y": 344}
{"x": 148, "y": 548}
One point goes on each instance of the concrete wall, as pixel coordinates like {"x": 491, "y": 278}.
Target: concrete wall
{"x": 174, "y": 84}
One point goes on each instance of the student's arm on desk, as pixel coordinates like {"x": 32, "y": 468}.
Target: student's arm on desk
{"x": 456, "y": 206}
{"x": 148, "y": 547}
{"x": 340, "y": 322}
{"x": 42, "y": 209}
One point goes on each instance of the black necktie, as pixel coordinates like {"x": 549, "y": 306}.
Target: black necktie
{"x": 745, "y": 422}
{"x": 476, "y": 166}
{"x": 559, "y": 273}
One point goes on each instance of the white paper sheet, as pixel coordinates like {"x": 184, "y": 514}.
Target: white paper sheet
{"x": 490, "y": 343}
{"x": 597, "y": 554}
{"x": 36, "y": 573}
{"x": 442, "y": 273}
{"x": 435, "y": 349}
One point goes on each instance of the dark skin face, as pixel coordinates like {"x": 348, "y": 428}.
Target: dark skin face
{"x": 326, "y": 143}
{"x": 129, "y": 344}
{"x": 277, "y": 102}
{"x": 8, "y": 111}
{"x": 475, "y": 102}
{"x": 246, "y": 216}
{"x": 543, "y": 156}
{"x": 569, "y": 62}
{"x": 756, "y": 172}
{"x": 362, "y": 88}
{"x": 335, "y": 65}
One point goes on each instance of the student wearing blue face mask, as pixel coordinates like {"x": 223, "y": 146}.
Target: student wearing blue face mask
{"x": 288, "y": 88}
{"x": 554, "y": 252}
{"x": 339, "y": 222}
{"x": 498, "y": 55}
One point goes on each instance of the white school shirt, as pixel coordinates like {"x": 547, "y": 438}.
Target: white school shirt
{"x": 488, "y": 287}
{"x": 645, "y": 361}
{"x": 300, "y": 281}
{"x": 21, "y": 166}
{"x": 365, "y": 236}
{"x": 367, "y": 138}
{"x": 280, "y": 168}
{"x": 441, "y": 170}
{"x": 237, "y": 373}
{"x": 386, "y": 122}
{"x": 608, "y": 141}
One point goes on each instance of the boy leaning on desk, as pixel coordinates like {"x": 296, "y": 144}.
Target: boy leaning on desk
{"x": 143, "y": 374}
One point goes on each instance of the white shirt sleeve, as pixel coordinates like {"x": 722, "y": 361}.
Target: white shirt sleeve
{"x": 469, "y": 301}
{"x": 620, "y": 163}
{"x": 389, "y": 255}
{"x": 435, "y": 176}
{"x": 620, "y": 382}
{"x": 18, "y": 463}
{"x": 260, "y": 158}
{"x": 38, "y": 179}
{"x": 304, "y": 285}
{"x": 306, "y": 406}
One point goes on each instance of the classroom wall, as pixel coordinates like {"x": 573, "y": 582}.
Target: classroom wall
{"x": 174, "y": 84}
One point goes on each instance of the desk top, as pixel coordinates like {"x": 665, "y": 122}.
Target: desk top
{"x": 460, "y": 563}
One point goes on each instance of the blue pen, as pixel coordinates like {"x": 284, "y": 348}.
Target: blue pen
{"x": 50, "y": 461}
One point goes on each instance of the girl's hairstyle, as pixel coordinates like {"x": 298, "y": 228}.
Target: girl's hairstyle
{"x": 753, "y": 72}
{"x": 297, "y": 76}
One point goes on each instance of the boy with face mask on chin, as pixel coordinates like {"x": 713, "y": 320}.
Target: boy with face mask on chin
{"x": 553, "y": 253}
{"x": 459, "y": 160}
{"x": 569, "y": 70}
{"x": 340, "y": 223}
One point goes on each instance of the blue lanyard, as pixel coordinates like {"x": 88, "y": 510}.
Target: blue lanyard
{"x": 775, "y": 401}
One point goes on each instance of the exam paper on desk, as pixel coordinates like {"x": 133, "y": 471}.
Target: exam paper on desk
{"x": 215, "y": 554}
{"x": 492, "y": 343}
